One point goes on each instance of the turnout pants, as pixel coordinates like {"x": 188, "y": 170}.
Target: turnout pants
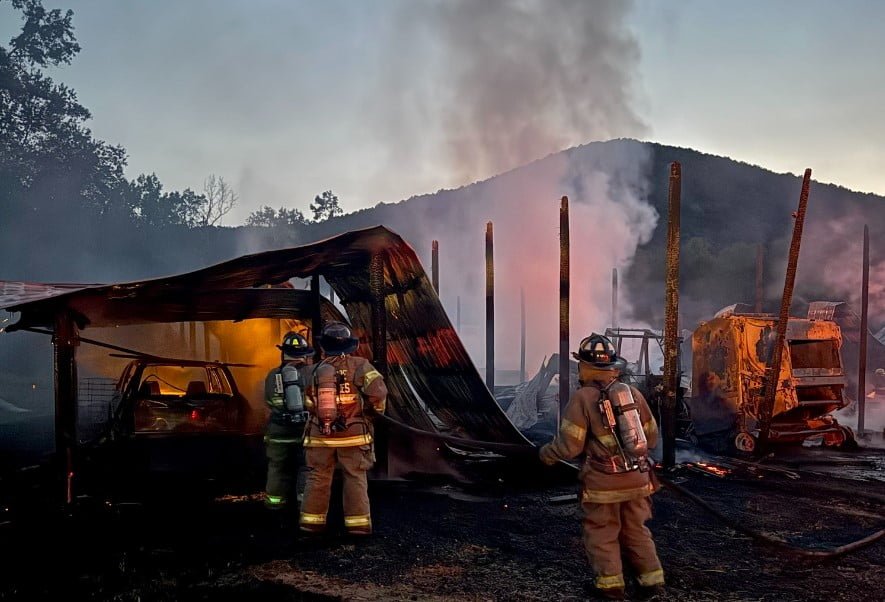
{"x": 610, "y": 528}
{"x": 321, "y": 462}
{"x": 285, "y": 457}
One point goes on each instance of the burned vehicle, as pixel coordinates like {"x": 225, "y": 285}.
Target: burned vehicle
{"x": 730, "y": 353}
{"x": 180, "y": 418}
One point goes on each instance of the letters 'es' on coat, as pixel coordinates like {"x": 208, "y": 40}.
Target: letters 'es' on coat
{"x": 582, "y": 430}
{"x": 363, "y": 390}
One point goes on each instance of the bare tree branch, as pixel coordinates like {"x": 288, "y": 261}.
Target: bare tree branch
{"x": 220, "y": 199}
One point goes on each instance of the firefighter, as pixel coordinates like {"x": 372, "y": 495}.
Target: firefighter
{"x": 343, "y": 393}
{"x": 284, "y": 393}
{"x": 612, "y": 424}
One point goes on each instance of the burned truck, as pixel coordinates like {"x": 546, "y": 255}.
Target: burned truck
{"x": 730, "y": 354}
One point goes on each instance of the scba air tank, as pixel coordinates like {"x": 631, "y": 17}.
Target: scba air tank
{"x": 292, "y": 385}
{"x": 626, "y": 410}
{"x": 327, "y": 393}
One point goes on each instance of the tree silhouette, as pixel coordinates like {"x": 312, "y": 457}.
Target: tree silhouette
{"x": 219, "y": 197}
{"x": 325, "y": 206}
{"x": 270, "y": 217}
{"x": 49, "y": 161}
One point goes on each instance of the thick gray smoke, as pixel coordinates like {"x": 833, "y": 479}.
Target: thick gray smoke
{"x": 838, "y": 241}
{"x": 504, "y": 82}
{"x": 501, "y": 84}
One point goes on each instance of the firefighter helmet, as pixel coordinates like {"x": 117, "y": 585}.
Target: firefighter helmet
{"x": 599, "y": 352}
{"x": 338, "y": 339}
{"x": 295, "y": 345}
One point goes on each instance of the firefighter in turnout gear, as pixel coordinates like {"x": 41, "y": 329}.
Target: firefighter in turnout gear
{"x": 284, "y": 393}
{"x": 610, "y": 422}
{"x": 343, "y": 393}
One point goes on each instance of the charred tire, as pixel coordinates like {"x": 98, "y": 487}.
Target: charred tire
{"x": 745, "y": 442}
{"x": 850, "y": 442}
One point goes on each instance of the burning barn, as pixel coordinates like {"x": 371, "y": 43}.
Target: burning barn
{"x": 236, "y": 311}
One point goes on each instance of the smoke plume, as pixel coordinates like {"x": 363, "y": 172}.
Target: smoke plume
{"x": 503, "y": 83}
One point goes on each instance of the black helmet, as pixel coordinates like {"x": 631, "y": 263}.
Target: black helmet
{"x": 337, "y": 339}
{"x": 599, "y": 352}
{"x": 295, "y": 345}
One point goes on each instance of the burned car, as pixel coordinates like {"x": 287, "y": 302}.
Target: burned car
{"x": 181, "y": 418}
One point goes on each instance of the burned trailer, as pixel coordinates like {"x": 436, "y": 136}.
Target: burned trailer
{"x": 730, "y": 356}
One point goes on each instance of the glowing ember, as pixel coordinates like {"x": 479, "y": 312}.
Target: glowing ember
{"x": 711, "y": 468}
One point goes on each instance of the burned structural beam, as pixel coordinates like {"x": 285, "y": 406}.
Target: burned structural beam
{"x": 316, "y": 320}
{"x": 671, "y": 318}
{"x": 207, "y": 342}
{"x": 760, "y": 258}
{"x": 192, "y": 338}
{"x": 862, "y": 359}
{"x": 379, "y": 313}
{"x": 434, "y": 265}
{"x": 64, "y": 343}
{"x": 490, "y": 309}
{"x": 614, "y": 298}
{"x": 563, "y": 304}
{"x": 521, "y": 335}
{"x": 773, "y": 370}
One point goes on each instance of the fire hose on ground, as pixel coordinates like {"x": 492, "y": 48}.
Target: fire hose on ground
{"x": 522, "y": 449}
{"x": 767, "y": 539}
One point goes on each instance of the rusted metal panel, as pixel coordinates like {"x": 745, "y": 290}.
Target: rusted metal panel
{"x": 799, "y": 329}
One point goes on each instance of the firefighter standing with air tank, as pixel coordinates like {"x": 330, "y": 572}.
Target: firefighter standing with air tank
{"x": 343, "y": 391}
{"x": 283, "y": 392}
{"x": 612, "y": 424}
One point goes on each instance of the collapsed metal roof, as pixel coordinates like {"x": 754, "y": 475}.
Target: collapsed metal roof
{"x": 433, "y": 383}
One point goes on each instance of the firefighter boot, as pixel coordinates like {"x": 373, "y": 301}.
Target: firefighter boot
{"x": 610, "y": 593}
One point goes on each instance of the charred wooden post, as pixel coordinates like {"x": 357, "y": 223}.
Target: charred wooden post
{"x": 772, "y": 372}
{"x": 759, "y": 267}
{"x": 207, "y": 343}
{"x": 490, "y": 309}
{"x": 434, "y": 263}
{"x": 862, "y": 359}
{"x": 563, "y": 304}
{"x": 379, "y": 313}
{"x": 671, "y": 318}
{"x": 614, "y": 298}
{"x": 521, "y": 335}
{"x": 277, "y": 326}
{"x": 64, "y": 343}
{"x": 192, "y": 339}
{"x": 316, "y": 318}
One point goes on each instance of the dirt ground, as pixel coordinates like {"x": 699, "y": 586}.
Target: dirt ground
{"x": 443, "y": 542}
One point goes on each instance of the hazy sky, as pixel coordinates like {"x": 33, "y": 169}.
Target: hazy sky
{"x": 383, "y": 100}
